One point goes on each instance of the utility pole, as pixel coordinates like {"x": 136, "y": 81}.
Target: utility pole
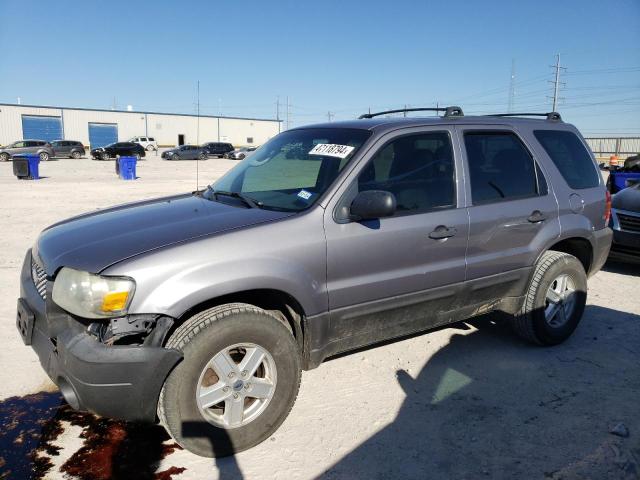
{"x": 512, "y": 86}
{"x": 404, "y": 114}
{"x": 556, "y": 82}
{"x": 278, "y": 111}
{"x": 329, "y": 116}
{"x": 198, "y": 113}
{"x": 288, "y": 111}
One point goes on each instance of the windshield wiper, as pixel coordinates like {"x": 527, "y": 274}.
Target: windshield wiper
{"x": 248, "y": 201}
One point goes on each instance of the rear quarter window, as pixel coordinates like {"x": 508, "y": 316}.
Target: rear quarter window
{"x": 570, "y": 156}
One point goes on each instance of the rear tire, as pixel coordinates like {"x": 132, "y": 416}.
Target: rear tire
{"x": 4, "y": 157}
{"x": 76, "y": 155}
{"x": 201, "y": 339}
{"x": 150, "y": 148}
{"x": 44, "y": 156}
{"x": 555, "y": 300}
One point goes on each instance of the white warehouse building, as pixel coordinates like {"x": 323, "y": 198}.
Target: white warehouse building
{"x": 96, "y": 128}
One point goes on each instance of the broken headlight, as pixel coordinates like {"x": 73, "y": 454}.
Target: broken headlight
{"x": 92, "y": 296}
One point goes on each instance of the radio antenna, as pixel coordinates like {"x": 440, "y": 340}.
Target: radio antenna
{"x": 198, "y": 133}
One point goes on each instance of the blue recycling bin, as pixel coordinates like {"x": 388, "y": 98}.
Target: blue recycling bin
{"x": 26, "y": 166}
{"x": 126, "y": 168}
{"x": 622, "y": 180}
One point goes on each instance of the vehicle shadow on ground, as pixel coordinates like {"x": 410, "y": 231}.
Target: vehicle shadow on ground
{"x": 490, "y": 406}
{"x": 32, "y": 425}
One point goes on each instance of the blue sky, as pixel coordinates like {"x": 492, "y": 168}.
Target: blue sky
{"x": 338, "y": 56}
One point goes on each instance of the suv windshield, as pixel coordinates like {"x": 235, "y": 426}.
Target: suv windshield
{"x": 291, "y": 171}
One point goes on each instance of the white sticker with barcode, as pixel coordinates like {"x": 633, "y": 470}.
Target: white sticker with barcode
{"x": 331, "y": 150}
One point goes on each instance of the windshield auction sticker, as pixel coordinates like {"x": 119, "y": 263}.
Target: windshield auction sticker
{"x": 331, "y": 150}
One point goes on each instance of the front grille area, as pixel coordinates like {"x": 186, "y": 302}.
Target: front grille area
{"x": 630, "y": 223}
{"x": 39, "y": 277}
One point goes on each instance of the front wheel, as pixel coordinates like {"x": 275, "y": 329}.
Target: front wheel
{"x": 555, "y": 301}
{"x": 44, "y": 156}
{"x": 76, "y": 155}
{"x": 237, "y": 383}
{"x": 105, "y": 156}
{"x": 150, "y": 148}
{"x": 4, "y": 157}
{"x": 202, "y": 156}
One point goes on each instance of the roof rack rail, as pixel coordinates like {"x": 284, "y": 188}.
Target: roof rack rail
{"x": 448, "y": 111}
{"x": 553, "y": 116}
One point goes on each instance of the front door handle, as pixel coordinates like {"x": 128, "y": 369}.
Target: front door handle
{"x": 441, "y": 232}
{"x": 536, "y": 217}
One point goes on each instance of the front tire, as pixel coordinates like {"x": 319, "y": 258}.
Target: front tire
{"x": 76, "y": 155}
{"x": 555, "y": 300}
{"x": 105, "y": 156}
{"x": 4, "y": 157}
{"x": 44, "y": 157}
{"x": 237, "y": 383}
{"x": 150, "y": 148}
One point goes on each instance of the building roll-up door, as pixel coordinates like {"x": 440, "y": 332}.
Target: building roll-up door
{"x": 101, "y": 134}
{"x": 36, "y": 127}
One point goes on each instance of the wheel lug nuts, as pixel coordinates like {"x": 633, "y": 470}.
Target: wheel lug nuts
{"x": 244, "y": 373}
{"x": 235, "y": 395}
{"x": 231, "y": 374}
{"x": 225, "y": 389}
{"x": 247, "y": 386}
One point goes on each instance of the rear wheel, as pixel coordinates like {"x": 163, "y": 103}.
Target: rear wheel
{"x": 76, "y": 155}
{"x": 150, "y": 148}
{"x": 4, "y": 157}
{"x": 202, "y": 156}
{"x": 237, "y": 383}
{"x": 44, "y": 156}
{"x": 555, "y": 301}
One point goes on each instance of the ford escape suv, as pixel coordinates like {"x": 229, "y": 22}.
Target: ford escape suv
{"x": 200, "y": 310}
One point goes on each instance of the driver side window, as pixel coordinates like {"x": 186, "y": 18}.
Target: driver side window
{"x": 418, "y": 169}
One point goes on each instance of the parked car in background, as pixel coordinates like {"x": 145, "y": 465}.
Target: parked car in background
{"x": 122, "y": 149}
{"x": 625, "y": 222}
{"x": 67, "y": 148}
{"x": 148, "y": 143}
{"x": 240, "y": 153}
{"x": 218, "y": 149}
{"x": 185, "y": 152}
{"x": 39, "y": 147}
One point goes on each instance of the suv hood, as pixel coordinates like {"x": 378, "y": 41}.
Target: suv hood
{"x": 94, "y": 241}
{"x": 627, "y": 199}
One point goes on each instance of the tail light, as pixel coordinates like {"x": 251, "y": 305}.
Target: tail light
{"x": 607, "y": 207}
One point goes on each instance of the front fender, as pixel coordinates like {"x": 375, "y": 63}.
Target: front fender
{"x": 289, "y": 256}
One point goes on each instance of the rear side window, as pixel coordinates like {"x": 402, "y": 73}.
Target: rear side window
{"x": 500, "y": 167}
{"x": 570, "y": 156}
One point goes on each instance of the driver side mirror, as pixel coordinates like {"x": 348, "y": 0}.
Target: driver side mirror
{"x": 372, "y": 204}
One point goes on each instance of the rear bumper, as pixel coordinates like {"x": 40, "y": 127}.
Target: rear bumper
{"x": 115, "y": 381}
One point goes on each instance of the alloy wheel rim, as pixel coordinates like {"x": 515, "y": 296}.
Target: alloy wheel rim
{"x": 236, "y": 385}
{"x": 560, "y": 301}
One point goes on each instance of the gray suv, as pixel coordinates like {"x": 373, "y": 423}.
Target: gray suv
{"x": 200, "y": 310}
{"x": 39, "y": 147}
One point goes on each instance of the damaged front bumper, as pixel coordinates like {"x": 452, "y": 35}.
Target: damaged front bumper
{"x": 119, "y": 381}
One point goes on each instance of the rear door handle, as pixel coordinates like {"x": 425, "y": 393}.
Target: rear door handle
{"x": 536, "y": 217}
{"x": 442, "y": 232}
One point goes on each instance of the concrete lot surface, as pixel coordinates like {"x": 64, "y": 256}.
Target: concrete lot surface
{"x": 471, "y": 401}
